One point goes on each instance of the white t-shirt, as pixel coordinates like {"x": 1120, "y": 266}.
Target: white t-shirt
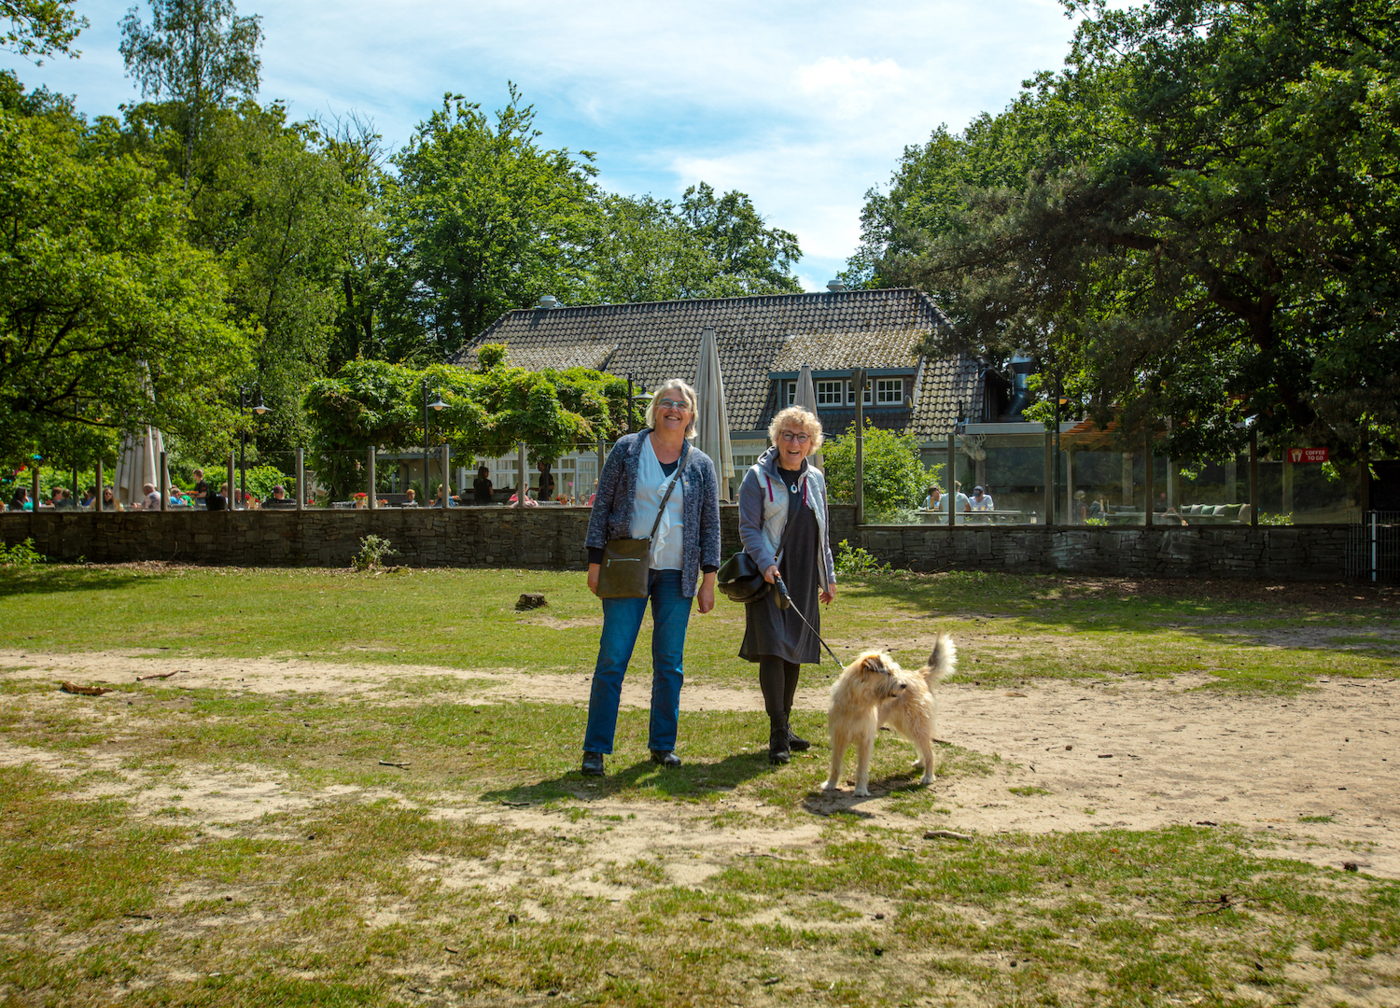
{"x": 668, "y": 548}
{"x": 985, "y": 504}
{"x": 153, "y": 501}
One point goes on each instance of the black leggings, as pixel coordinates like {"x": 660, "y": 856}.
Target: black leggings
{"x": 778, "y": 680}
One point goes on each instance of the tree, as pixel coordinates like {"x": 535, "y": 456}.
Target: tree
{"x": 40, "y": 27}
{"x": 895, "y": 478}
{"x": 1221, "y": 243}
{"x": 199, "y": 53}
{"x": 651, "y": 250}
{"x": 753, "y": 258}
{"x": 109, "y": 318}
{"x": 481, "y": 220}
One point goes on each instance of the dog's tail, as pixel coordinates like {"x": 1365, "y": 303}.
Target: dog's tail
{"x": 944, "y": 660}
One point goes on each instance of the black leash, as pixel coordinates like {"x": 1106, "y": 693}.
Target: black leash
{"x": 785, "y": 602}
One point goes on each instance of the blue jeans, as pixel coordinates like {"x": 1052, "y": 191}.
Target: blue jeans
{"x": 622, "y": 621}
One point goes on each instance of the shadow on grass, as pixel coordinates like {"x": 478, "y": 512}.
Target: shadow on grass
{"x": 47, "y": 580}
{"x": 643, "y": 778}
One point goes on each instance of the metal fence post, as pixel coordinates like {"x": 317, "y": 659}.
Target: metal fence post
{"x": 97, "y": 504}
{"x": 369, "y": 463}
{"x": 229, "y": 501}
{"x": 162, "y": 476}
{"x": 858, "y": 381}
{"x": 1253, "y": 478}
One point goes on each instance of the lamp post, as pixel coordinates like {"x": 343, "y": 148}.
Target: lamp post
{"x": 437, "y": 407}
{"x": 261, "y": 409}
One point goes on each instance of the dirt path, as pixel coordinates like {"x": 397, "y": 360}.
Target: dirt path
{"x": 1127, "y": 754}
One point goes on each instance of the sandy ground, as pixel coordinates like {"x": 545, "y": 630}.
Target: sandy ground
{"x": 1111, "y": 753}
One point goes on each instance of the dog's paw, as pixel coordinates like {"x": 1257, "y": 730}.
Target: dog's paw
{"x": 827, "y": 785}
{"x": 926, "y": 779}
{"x": 918, "y": 764}
{"x": 861, "y": 792}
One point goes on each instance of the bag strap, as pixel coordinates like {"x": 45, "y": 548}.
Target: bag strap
{"x": 680, "y": 464}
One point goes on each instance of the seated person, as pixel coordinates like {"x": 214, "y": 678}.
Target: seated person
{"x": 481, "y": 486}
{"x": 89, "y": 495}
{"x": 279, "y": 498}
{"x": 216, "y": 500}
{"x": 151, "y": 501}
{"x": 981, "y": 500}
{"x": 20, "y": 501}
{"x": 412, "y": 498}
{"x": 443, "y": 498}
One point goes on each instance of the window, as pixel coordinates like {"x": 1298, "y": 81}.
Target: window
{"x": 889, "y": 391}
{"x": 829, "y": 393}
{"x": 788, "y": 396}
{"x": 851, "y": 394}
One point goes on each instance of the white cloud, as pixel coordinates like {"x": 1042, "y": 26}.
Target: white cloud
{"x": 803, "y": 105}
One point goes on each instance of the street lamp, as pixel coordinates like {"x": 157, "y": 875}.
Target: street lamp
{"x": 261, "y": 409}
{"x": 437, "y": 407}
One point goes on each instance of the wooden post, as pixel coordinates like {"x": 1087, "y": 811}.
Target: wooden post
{"x": 1049, "y": 477}
{"x": 97, "y": 504}
{"x": 858, "y": 382}
{"x": 522, "y": 477}
{"x": 369, "y": 467}
{"x": 34, "y": 491}
{"x": 301, "y": 479}
{"x": 1253, "y": 478}
{"x": 1147, "y": 478}
{"x": 952, "y": 479}
{"x": 163, "y": 477}
{"x": 232, "y": 467}
{"x": 446, "y": 469}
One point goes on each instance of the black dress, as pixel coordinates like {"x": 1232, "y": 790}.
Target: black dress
{"x": 780, "y": 632}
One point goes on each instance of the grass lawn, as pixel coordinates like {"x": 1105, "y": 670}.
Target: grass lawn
{"x": 222, "y": 846}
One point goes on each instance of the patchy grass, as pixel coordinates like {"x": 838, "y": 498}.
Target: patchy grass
{"x": 1247, "y": 636}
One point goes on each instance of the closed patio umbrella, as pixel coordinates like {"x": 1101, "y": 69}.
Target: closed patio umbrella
{"x": 139, "y": 464}
{"x": 712, "y": 422}
{"x": 807, "y": 398}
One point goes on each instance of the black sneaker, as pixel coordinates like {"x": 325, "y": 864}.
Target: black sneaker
{"x": 665, "y": 758}
{"x": 592, "y": 764}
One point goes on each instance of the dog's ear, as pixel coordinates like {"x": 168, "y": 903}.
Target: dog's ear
{"x": 874, "y": 664}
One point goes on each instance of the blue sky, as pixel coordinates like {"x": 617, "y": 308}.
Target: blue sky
{"x": 804, "y": 106}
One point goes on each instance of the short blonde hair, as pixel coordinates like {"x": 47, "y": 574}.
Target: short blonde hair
{"x": 797, "y": 416}
{"x": 685, "y": 390}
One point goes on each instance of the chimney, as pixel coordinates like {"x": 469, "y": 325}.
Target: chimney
{"x": 836, "y": 286}
{"x": 548, "y": 301}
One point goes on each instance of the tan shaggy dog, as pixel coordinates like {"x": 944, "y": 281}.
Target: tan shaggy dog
{"x": 873, "y": 691}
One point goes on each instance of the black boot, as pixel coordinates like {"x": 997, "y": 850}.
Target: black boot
{"x": 778, "y": 745}
{"x": 796, "y": 743}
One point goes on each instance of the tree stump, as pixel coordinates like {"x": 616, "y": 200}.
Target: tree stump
{"x": 530, "y": 600}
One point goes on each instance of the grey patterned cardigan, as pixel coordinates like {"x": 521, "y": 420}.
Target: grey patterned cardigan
{"x": 617, "y": 489}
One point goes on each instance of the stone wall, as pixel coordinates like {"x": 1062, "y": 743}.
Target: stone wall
{"x": 553, "y": 537}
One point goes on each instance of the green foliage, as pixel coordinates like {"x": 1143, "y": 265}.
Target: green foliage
{"x": 855, "y": 561}
{"x": 1206, "y": 231}
{"x": 481, "y": 219}
{"x": 21, "y": 554}
{"x": 651, "y": 250}
{"x": 198, "y": 53}
{"x": 109, "y": 318}
{"x": 373, "y": 551}
{"x": 261, "y": 479}
{"x": 895, "y": 479}
{"x": 40, "y": 27}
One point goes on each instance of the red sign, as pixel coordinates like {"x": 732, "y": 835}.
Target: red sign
{"x": 1307, "y": 455}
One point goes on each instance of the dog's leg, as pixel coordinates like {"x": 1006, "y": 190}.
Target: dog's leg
{"x": 838, "y": 755}
{"x": 926, "y": 758}
{"x": 865, "y": 750}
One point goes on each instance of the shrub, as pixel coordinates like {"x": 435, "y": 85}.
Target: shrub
{"x": 856, "y": 561}
{"x": 21, "y": 554}
{"x": 896, "y": 481}
{"x": 373, "y": 550}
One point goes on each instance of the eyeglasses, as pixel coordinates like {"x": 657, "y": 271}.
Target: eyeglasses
{"x": 790, "y": 436}
{"x": 673, "y": 404}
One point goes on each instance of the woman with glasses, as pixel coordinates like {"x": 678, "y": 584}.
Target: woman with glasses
{"x": 632, "y": 501}
{"x": 783, "y": 526}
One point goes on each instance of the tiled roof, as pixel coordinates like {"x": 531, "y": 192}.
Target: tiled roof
{"x": 657, "y": 340}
